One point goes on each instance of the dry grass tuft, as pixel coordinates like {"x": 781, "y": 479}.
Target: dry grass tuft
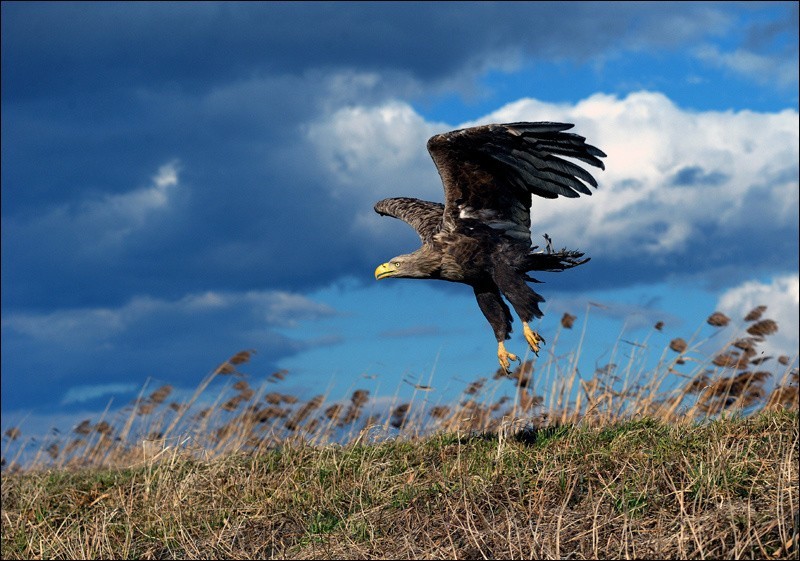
{"x": 755, "y": 313}
{"x": 678, "y": 345}
{"x": 13, "y": 433}
{"x": 718, "y": 319}
{"x": 763, "y": 328}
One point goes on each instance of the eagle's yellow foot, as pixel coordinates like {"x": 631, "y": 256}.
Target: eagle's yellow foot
{"x": 505, "y": 357}
{"x": 533, "y": 338}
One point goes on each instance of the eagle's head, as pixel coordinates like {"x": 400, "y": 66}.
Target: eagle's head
{"x": 395, "y": 267}
{"x": 422, "y": 264}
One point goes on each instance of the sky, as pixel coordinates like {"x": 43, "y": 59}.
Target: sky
{"x": 182, "y": 181}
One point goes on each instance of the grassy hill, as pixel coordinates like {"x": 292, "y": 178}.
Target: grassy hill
{"x": 643, "y": 489}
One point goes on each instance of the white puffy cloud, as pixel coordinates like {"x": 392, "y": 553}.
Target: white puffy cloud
{"x": 674, "y": 178}
{"x": 671, "y": 175}
{"x": 370, "y": 153}
{"x": 381, "y": 148}
{"x": 781, "y": 296}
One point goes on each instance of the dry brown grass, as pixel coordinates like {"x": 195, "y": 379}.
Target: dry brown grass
{"x": 642, "y": 489}
{"x": 694, "y": 458}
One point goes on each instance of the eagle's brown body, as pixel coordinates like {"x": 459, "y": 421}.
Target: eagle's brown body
{"x": 481, "y": 235}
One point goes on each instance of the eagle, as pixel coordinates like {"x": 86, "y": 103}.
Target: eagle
{"x": 481, "y": 235}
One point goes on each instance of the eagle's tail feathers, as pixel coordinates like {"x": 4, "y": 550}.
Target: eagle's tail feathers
{"x": 553, "y": 262}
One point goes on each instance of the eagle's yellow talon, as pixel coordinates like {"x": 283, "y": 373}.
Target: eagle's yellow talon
{"x": 505, "y": 357}
{"x": 533, "y": 338}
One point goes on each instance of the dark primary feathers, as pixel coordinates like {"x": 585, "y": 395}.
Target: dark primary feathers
{"x": 489, "y": 173}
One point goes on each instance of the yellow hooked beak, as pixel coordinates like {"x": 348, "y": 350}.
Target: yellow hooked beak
{"x": 384, "y": 270}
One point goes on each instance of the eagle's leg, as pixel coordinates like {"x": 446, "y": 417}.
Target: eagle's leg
{"x": 499, "y": 317}
{"x": 532, "y": 337}
{"x": 524, "y": 299}
{"x": 505, "y": 357}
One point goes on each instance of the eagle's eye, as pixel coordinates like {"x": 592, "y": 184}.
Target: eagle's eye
{"x": 396, "y": 264}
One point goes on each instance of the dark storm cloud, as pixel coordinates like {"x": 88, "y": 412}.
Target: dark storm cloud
{"x": 75, "y": 47}
{"x": 246, "y": 179}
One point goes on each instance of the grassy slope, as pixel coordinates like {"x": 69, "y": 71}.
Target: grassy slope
{"x": 646, "y": 489}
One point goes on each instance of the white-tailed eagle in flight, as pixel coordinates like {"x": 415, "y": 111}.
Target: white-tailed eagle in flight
{"x": 481, "y": 235}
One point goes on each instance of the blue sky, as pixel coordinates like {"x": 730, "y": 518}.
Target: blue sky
{"x": 182, "y": 181}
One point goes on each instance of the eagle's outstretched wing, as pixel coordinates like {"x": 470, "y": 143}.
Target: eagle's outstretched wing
{"x": 424, "y": 216}
{"x": 489, "y": 172}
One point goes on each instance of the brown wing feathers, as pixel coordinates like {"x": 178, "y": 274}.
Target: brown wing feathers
{"x": 489, "y": 173}
{"x": 527, "y": 154}
{"x": 424, "y": 216}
